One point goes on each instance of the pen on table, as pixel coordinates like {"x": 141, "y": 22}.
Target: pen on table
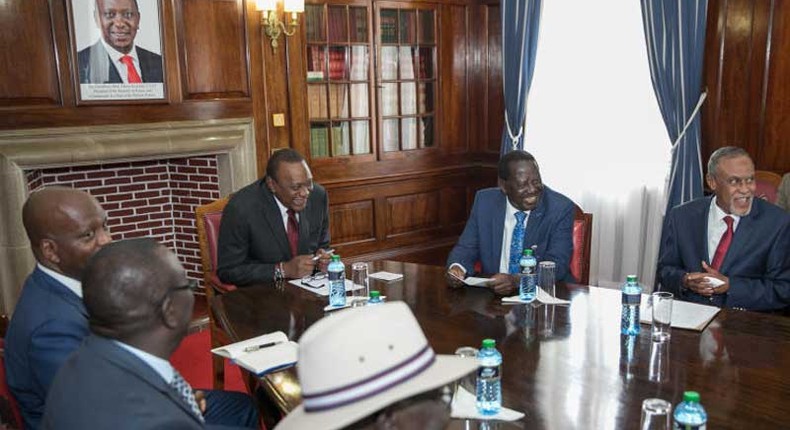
{"x": 261, "y": 346}
{"x": 328, "y": 251}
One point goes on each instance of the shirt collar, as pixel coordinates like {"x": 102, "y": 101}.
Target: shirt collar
{"x": 162, "y": 367}
{"x": 115, "y": 55}
{"x": 72, "y": 284}
{"x": 720, "y": 214}
{"x": 511, "y": 210}
{"x": 283, "y": 209}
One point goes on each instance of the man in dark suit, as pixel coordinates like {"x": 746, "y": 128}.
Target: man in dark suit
{"x": 115, "y": 59}
{"x": 730, "y": 250}
{"x": 492, "y": 233}
{"x": 273, "y": 228}
{"x": 140, "y": 305}
{"x": 65, "y": 227}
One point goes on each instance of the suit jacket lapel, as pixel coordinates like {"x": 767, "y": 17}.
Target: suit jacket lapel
{"x": 138, "y": 368}
{"x": 271, "y": 211}
{"x": 740, "y": 238}
{"x": 304, "y": 230}
{"x": 701, "y": 239}
{"x": 498, "y": 226}
{"x": 534, "y": 220}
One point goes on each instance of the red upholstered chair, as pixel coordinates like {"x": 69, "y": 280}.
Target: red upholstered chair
{"x": 582, "y": 241}
{"x": 767, "y": 184}
{"x": 10, "y": 417}
{"x": 208, "y": 218}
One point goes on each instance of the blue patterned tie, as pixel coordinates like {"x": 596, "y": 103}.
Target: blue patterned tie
{"x": 181, "y": 386}
{"x": 516, "y": 243}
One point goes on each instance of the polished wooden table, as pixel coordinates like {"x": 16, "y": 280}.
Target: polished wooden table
{"x": 564, "y": 366}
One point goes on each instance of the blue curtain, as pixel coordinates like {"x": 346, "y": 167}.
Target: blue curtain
{"x": 675, "y": 35}
{"x": 520, "y": 25}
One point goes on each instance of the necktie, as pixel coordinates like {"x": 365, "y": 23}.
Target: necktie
{"x": 724, "y": 244}
{"x": 183, "y": 389}
{"x": 516, "y": 243}
{"x": 131, "y": 72}
{"x": 293, "y": 233}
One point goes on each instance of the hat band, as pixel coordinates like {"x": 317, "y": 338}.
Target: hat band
{"x": 369, "y": 387}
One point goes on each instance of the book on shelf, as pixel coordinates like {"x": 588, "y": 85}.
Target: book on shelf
{"x": 261, "y": 354}
{"x": 319, "y": 142}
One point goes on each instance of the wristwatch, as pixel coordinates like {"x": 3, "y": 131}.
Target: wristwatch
{"x": 279, "y": 273}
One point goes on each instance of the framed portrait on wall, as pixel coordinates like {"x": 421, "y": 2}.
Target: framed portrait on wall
{"x": 118, "y": 49}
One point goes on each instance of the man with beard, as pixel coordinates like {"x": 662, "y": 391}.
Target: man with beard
{"x": 520, "y": 214}
{"x": 729, "y": 250}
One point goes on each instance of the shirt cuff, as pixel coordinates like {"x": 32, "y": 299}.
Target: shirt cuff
{"x": 458, "y": 265}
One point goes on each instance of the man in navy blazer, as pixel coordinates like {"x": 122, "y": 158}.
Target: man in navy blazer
{"x": 65, "y": 227}
{"x": 695, "y": 262}
{"x": 254, "y": 245}
{"x": 140, "y": 305}
{"x": 488, "y": 232}
{"x": 115, "y": 59}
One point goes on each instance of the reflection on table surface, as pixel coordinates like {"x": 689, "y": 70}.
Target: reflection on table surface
{"x": 564, "y": 366}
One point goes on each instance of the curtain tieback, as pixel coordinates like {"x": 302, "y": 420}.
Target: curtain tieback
{"x": 702, "y": 98}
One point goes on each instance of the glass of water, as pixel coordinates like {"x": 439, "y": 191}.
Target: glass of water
{"x": 546, "y": 273}
{"x": 468, "y": 382}
{"x": 359, "y": 277}
{"x": 656, "y": 414}
{"x": 662, "y": 315}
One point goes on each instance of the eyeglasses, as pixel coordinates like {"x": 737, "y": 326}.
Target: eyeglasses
{"x": 314, "y": 281}
{"x": 737, "y": 182}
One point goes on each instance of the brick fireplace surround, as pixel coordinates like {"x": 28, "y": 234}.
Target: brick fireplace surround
{"x": 169, "y": 158}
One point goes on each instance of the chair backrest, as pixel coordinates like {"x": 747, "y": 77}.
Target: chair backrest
{"x": 582, "y": 242}
{"x": 207, "y": 220}
{"x": 767, "y": 184}
{"x": 10, "y": 417}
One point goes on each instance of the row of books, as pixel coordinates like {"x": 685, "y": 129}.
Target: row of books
{"x": 319, "y": 141}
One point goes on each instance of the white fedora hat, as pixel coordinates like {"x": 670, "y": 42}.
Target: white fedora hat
{"x": 360, "y": 360}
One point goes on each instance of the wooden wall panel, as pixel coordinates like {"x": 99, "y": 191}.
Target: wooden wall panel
{"x": 352, "y": 222}
{"x": 453, "y": 43}
{"x": 214, "y": 50}
{"x": 495, "y": 114}
{"x": 29, "y": 73}
{"x": 412, "y": 213}
{"x": 453, "y": 205}
{"x": 747, "y": 74}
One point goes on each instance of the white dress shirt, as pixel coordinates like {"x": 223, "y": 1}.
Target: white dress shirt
{"x": 160, "y": 366}
{"x": 72, "y": 284}
{"x": 717, "y": 227}
{"x": 115, "y": 56}
{"x": 284, "y": 213}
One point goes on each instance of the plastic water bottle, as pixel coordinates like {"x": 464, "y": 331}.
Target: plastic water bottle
{"x": 375, "y": 298}
{"x": 632, "y": 296}
{"x": 489, "y": 388}
{"x": 689, "y": 414}
{"x": 337, "y": 282}
{"x": 529, "y": 277}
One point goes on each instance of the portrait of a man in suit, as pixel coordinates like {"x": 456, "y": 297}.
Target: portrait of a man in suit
{"x": 115, "y": 58}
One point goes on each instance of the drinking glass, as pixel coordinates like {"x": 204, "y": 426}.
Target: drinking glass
{"x": 656, "y": 414}
{"x": 359, "y": 277}
{"x": 468, "y": 382}
{"x": 659, "y": 361}
{"x": 662, "y": 315}
{"x": 546, "y": 271}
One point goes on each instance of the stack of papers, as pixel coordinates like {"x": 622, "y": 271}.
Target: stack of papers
{"x": 542, "y": 297}
{"x": 386, "y": 276}
{"x": 262, "y": 354}
{"x": 320, "y": 286}
{"x": 685, "y": 315}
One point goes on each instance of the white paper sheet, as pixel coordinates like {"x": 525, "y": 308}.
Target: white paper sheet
{"x": 464, "y": 406}
{"x": 386, "y": 276}
{"x": 685, "y": 315}
{"x": 473, "y": 281}
{"x": 323, "y": 290}
{"x": 542, "y": 297}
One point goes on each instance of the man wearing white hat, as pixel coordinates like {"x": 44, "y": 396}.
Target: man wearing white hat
{"x": 385, "y": 374}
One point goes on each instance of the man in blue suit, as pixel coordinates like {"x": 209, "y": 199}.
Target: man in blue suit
{"x": 140, "y": 305}
{"x": 522, "y": 210}
{"x": 730, "y": 250}
{"x": 65, "y": 227}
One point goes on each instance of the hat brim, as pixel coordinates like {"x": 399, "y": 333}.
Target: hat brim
{"x": 445, "y": 369}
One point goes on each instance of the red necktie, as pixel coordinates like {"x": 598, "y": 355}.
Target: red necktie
{"x": 131, "y": 72}
{"x": 724, "y": 244}
{"x": 292, "y": 232}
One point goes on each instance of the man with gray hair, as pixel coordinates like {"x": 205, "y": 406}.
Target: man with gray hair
{"x": 729, "y": 250}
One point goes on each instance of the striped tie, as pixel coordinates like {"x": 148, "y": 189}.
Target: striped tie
{"x": 516, "y": 243}
{"x": 183, "y": 389}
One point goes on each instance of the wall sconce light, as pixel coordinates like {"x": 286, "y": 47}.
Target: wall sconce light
{"x": 270, "y": 20}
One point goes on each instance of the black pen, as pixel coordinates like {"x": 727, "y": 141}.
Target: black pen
{"x": 329, "y": 251}
{"x": 261, "y": 346}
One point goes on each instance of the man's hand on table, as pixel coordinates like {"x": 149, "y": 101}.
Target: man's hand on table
{"x": 699, "y": 282}
{"x": 504, "y": 284}
{"x": 299, "y": 267}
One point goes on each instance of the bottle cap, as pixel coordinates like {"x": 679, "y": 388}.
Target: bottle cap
{"x": 489, "y": 343}
{"x": 335, "y": 257}
{"x": 691, "y": 396}
{"x": 631, "y": 278}
{"x": 375, "y": 294}
{"x": 527, "y": 251}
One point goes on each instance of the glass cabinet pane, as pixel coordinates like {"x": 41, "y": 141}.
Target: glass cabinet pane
{"x": 341, "y": 139}
{"x": 426, "y": 131}
{"x": 319, "y": 140}
{"x": 359, "y": 100}
{"x": 359, "y": 24}
{"x": 314, "y": 22}
{"x": 408, "y": 98}
{"x": 389, "y": 135}
{"x": 408, "y": 26}
{"x": 338, "y": 100}
{"x": 360, "y": 134}
{"x": 338, "y": 69}
{"x": 426, "y": 26}
{"x": 405, "y": 62}
{"x": 389, "y": 62}
{"x": 316, "y": 63}
{"x": 425, "y": 60}
{"x": 425, "y": 97}
{"x": 389, "y": 99}
{"x": 409, "y": 140}
{"x": 338, "y": 24}
{"x": 316, "y": 101}
{"x": 359, "y": 63}
{"x": 389, "y": 25}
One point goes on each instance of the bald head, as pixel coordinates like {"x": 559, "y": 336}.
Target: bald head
{"x": 131, "y": 291}
{"x": 65, "y": 227}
